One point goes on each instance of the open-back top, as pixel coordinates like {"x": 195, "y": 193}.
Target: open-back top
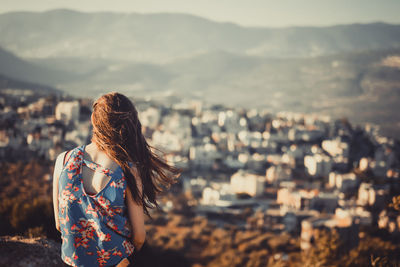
{"x": 95, "y": 228}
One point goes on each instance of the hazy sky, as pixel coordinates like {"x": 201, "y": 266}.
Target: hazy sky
{"x": 244, "y": 12}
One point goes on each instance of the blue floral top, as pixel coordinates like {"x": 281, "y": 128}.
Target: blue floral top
{"x": 95, "y": 228}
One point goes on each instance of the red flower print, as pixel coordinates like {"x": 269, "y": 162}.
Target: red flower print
{"x": 102, "y": 236}
{"x": 128, "y": 247}
{"x": 64, "y": 220}
{"x": 86, "y": 231}
{"x": 72, "y": 167}
{"x": 118, "y": 210}
{"x": 107, "y": 238}
{"x": 68, "y": 260}
{"x": 66, "y": 196}
{"x": 117, "y": 253}
{"x": 127, "y": 228}
{"x": 103, "y": 206}
{"x": 112, "y": 225}
{"x": 103, "y": 201}
{"x": 103, "y": 256}
{"x": 119, "y": 184}
{"x": 92, "y": 211}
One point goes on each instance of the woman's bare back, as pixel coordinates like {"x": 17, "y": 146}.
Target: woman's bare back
{"x": 94, "y": 182}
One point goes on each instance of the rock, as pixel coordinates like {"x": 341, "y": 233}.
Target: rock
{"x": 29, "y": 252}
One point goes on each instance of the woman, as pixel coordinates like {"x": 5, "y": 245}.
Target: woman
{"x": 102, "y": 190}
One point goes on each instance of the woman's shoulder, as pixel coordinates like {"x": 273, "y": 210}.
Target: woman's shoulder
{"x": 60, "y": 158}
{"x": 60, "y": 162}
{"x": 63, "y": 157}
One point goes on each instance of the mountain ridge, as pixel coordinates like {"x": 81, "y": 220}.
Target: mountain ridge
{"x": 16, "y": 68}
{"x": 73, "y": 11}
{"x": 164, "y": 37}
{"x": 10, "y": 83}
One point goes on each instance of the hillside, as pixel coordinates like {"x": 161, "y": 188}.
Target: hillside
{"x": 359, "y": 85}
{"x": 17, "y": 68}
{"x": 163, "y": 37}
{"x": 177, "y": 238}
{"x": 182, "y": 242}
{"x": 363, "y": 86}
{"x": 9, "y": 83}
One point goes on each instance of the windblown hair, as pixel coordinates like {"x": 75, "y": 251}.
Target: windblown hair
{"x": 118, "y": 132}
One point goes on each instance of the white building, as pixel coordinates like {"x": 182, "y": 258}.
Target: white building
{"x": 370, "y": 195}
{"x": 68, "y": 111}
{"x": 294, "y": 199}
{"x": 215, "y": 192}
{"x": 244, "y": 182}
{"x": 336, "y": 147}
{"x": 364, "y": 164}
{"x": 318, "y": 165}
{"x": 364, "y": 217}
{"x": 210, "y": 196}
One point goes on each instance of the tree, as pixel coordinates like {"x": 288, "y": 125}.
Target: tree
{"x": 325, "y": 250}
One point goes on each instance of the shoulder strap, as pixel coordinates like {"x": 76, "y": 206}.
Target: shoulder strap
{"x": 65, "y": 155}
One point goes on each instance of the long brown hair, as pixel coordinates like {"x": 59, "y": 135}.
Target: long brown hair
{"x": 118, "y": 132}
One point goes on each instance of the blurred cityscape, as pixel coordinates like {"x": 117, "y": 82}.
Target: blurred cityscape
{"x": 288, "y": 175}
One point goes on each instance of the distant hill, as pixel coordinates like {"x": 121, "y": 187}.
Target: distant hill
{"x": 159, "y": 38}
{"x": 363, "y": 86}
{"x": 9, "y": 83}
{"x": 17, "y": 68}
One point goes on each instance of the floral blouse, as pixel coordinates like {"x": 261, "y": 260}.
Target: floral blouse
{"x": 95, "y": 229}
